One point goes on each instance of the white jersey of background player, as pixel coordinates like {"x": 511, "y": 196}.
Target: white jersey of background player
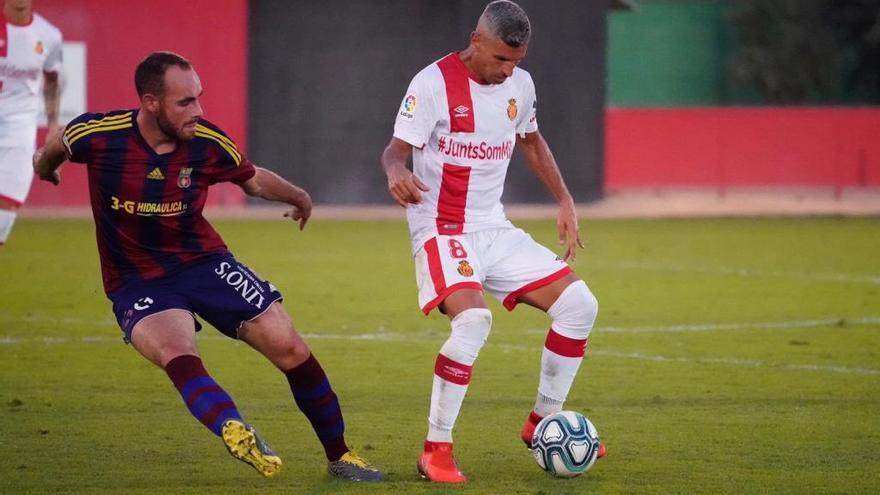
{"x": 30, "y": 61}
{"x": 460, "y": 119}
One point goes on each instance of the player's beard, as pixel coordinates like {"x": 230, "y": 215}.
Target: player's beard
{"x": 168, "y": 128}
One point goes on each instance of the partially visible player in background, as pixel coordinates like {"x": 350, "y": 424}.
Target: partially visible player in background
{"x": 459, "y": 121}
{"x": 149, "y": 170}
{"x": 30, "y": 60}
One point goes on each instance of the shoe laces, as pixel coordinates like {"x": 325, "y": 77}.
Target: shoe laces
{"x": 352, "y": 458}
{"x": 261, "y": 444}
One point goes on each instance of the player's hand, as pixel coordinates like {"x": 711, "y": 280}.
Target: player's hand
{"x": 301, "y": 209}
{"x": 405, "y": 187}
{"x": 53, "y": 176}
{"x": 567, "y": 224}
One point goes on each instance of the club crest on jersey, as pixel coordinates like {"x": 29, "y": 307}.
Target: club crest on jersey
{"x": 511, "y": 109}
{"x": 465, "y": 269}
{"x": 184, "y": 180}
{"x": 39, "y": 48}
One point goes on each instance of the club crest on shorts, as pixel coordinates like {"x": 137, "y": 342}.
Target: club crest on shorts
{"x": 465, "y": 269}
{"x": 511, "y": 109}
{"x": 184, "y": 180}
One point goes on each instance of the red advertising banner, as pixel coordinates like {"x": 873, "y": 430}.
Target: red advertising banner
{"x": 735, "y": 147}
{"x": 118, "y": 34}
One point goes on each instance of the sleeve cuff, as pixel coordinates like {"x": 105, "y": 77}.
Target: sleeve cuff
{"x": 410, "y": 138}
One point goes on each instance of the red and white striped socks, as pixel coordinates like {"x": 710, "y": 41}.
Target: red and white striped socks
{"x": 452, "y": 370}
{"x": 573, "y": 314}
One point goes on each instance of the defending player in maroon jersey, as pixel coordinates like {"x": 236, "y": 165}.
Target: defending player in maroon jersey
{"x": 149, "y": 171}
{"x": 137, "y": 193}
{"x": 459, "y": 120}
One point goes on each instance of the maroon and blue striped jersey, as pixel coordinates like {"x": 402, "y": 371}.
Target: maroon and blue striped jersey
{"x": 148, "y": 207}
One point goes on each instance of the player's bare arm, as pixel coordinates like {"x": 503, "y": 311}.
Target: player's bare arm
{"x": 403, "y": 185}
{"x": 272, "y": 187}
{"x": 542, "y": 163}
{"x": 47, "y": 160}
{"x": 52, "y": 99}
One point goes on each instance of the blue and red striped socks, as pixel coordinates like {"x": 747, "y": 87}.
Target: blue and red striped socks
{"x": 212, "y": 406}
{"x": 315, "y": 398}
{"x": 206, "y": 400}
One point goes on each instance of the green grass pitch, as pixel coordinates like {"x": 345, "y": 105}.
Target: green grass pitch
{"x": 730, "y": 356}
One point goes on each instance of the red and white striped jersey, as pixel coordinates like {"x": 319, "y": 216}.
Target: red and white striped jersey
{"x": 463, "y": 133}
{"x": 26, "y": 52}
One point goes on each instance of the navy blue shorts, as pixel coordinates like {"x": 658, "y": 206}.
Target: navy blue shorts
{"x": 223, "y": 292}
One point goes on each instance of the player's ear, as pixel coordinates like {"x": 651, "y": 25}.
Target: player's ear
{"x": 150, "y": 102}
{"x": 475, "y": 38}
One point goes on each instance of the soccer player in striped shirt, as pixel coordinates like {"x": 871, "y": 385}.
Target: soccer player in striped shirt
{"x": 149, "y": 170}
{"x": 460, "y": 120}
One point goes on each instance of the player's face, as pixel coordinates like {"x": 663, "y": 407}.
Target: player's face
{"x": 179, "y": 108}
{"x": 19, "y": 4}
{"x": 494, "y": 60}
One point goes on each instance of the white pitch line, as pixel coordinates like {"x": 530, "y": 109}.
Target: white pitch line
{"x": 695, "y": 327}
{"x": 750, "y": 363}
{"x": 747, "y": 272}
{"x": 764, "y": 325}
{"x": 424, "y": 338}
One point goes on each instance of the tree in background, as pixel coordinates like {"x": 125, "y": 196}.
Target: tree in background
{"x": 797, "y": 51}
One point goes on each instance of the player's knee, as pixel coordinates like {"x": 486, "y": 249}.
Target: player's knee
{"x": 286, "y": 353}
{"x": 294, "y": 355}
{"x": 274, "y": 335}
{"x": 470, "y": 329}
{"x": 574, "y": 311}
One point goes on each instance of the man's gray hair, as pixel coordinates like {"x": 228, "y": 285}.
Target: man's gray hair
{"x": 509, "y": 22}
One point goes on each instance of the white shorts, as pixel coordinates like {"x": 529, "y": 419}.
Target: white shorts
{"x": 16, "y": 173}
{"x": 507, "y": 263}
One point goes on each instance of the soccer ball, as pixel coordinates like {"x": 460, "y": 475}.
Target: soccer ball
{"x": 565, "y": 444}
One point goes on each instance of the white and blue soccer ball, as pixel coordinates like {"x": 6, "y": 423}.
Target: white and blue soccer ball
{"x": 565, "y": 444}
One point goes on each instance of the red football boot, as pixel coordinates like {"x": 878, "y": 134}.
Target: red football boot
{"x": 528, "y": 430}
{"x": 438, "y": 465}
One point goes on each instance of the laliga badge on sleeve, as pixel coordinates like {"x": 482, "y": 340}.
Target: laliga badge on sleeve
{"x": 408, "y": 108}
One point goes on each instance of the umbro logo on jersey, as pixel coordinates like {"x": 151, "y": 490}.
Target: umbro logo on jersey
{"x": 156, "y": 174}
{"x": 461, "y": 111}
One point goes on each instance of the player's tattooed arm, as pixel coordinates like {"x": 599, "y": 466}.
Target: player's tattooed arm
{"x": 47, "y": 160}
{"x": 542, "y": 163}
{"x": 270, "y": 186}
{"x": 403, "y": 185}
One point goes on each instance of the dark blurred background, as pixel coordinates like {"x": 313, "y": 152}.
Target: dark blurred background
{"x": 632, "y": 93}
{"x": 327, "y": 78}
